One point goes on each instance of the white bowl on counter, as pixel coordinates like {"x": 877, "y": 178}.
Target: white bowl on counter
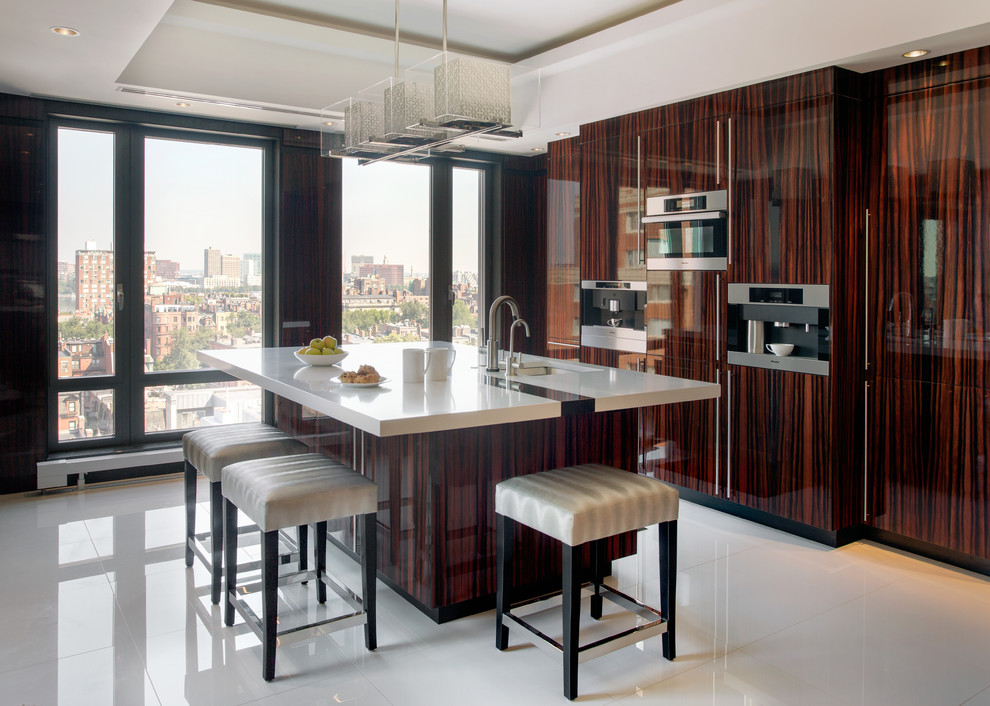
{"x": 319, "y": 359}
{"x": 780, "y": 349}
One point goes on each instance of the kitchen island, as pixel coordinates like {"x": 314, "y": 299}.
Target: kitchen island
{"x": 437, "y": 450}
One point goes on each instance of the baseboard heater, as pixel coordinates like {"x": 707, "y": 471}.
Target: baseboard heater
{"x": 55, "y": 473}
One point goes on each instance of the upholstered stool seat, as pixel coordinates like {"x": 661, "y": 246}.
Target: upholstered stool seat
{"x": 209, "y": 451}
{"x": 276, "y": 493}
{"x": 579, "y": 505}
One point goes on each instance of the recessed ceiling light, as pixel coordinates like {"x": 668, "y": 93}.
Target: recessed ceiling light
{"x": 330, "y": 122}
{"x": 182, "y": 105}
{"x": 537, "y": 149}
{"x": 65, "y": 31}
{"x": 914, "y": 53}
{"x": 562, "y": 134}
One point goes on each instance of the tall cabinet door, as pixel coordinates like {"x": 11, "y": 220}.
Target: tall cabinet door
{"x": 778, "y": 455}
{"x": 683, "y": 314}
{"x": 611, "y": 236}
{"x": 780, "y": 218}
{"x": 680, "y": 443}
{"x": 563, "y": 307}
{"x": 685, "y": 158}
{"x": 930, "y": 263}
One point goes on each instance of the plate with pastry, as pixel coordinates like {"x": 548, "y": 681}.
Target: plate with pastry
{"x": 365, "y": 376}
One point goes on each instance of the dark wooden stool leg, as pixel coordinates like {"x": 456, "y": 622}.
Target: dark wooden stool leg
{"x": 269, "y": 605}
{"x": 302, "y": 534}
{"x": 230, "y": 549}
{"x": 369, "y": 576}
{"x": 216, "y": 541}
{"x": 598, "y": 560}
{"x": 504, "y": 530}
{"x": 190, "y": 486}
{"x": 321, "y": 561}
{"x": 572, "y": 617}
{"x": 668, "y": 583}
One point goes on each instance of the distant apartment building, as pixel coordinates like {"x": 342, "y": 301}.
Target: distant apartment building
{"x": 95, "y": 281}
{"x": 168, "y": 270}
{"x": 251, "y": 269}
{"x": 66, "y": 271}
{"x": 211, "y": 262}
{"x": 391, "y": 275}
{"x": 358, "y": 260}
{"x": 85, "y": 357}
{"x": 161, "y": 321}
{"x": 420, "y": 287}
{"x": 230, "y": 266}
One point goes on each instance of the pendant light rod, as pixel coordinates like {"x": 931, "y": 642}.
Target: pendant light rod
{"x": 445, "y": 31}
{"x": 396, "y": 74}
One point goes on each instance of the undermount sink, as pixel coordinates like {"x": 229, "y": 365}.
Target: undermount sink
{"x": 531, "y": 370}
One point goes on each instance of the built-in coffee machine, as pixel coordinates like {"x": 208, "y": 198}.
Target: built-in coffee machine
{"x": 779, "y": 326}
{"x": 613, "y": 315}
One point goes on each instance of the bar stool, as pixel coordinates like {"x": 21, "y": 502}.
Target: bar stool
{"x": 292, "y": 491}
{"x": 209, "y": 451}
{"x": 579, "y": 505}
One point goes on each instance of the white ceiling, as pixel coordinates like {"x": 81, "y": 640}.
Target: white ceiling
{"x": 595, "y": 59}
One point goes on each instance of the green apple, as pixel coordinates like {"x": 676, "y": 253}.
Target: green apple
{"x": 328, "y": 351}
{"x": 302, "y": 351}
{"x": 337, "y": 351}
{"x": 313, "y": 351}
{"x": 329, "y": 342}
{"x": 316, "y": 343}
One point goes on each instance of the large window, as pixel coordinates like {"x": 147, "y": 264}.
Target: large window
{"x": 160, "y": 243}
{"x": 392, "y": 237}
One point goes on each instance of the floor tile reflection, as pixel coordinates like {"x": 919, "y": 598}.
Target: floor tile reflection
{"x": 101, "y": 609}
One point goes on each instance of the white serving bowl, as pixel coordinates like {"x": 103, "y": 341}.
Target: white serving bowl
{"x": 781, "y": 348}
{"x": 319, "y": 359}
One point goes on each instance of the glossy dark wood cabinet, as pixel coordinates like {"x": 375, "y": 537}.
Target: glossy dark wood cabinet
{"x": 779, "y": 445}
{"x": 309, "y": 254}
{"x": 782, "y": 193}
{"x": 928, "y": 463}
{"x": 612, "y": 246}
{"x": 23, "y": 276}
{"x": 563, "y": 238}
{"x": 927, "y": 311}
{"x": 684, "y": 314}
{"x": 930, "y": 256}
{"x": 685, "y": 158}
{"x": 680, "y": 443}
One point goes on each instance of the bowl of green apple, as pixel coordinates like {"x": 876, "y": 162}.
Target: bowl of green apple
{"x": 321, "y": 351}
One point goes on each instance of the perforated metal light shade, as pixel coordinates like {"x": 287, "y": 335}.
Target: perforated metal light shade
{"x": 363, "y": 120}
{"x": 470, "y": 92}
{"x": 407, "y": 104}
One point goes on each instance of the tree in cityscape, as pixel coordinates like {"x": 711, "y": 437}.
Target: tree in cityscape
{"x": 398, "y": 338}
{"x": 184, "y": 347}
{"x": 364, "y": 319}
{"x": 79, "y": 328}
{"x": 462, "y": 315}
{"x": 415, "y": 312}
{"x": 243, "y": 321}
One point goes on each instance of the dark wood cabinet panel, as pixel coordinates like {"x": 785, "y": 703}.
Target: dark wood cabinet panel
{"x": 782, "y": 193}
{"x": 23, "y": 254}
{"x": 930, "y": 261}
{"x": 779, "y": 455}
{"x": 563, "y": 286}
{"x": 683, "y": 314}
{"x": 611, "y": 237}
{"x": 524, "y": 230}
{"x": 685, "y": 158}
{"x": 309, "y": 254}
{"x": 679, "y": 443}
{"x": 928, "y": 463}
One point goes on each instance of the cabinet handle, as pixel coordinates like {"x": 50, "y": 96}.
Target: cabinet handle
{"x": 866, "y": 449}
{"x": 718, "y": 435}
{"x": 728, "y": 177}
{"x": 728, "y": 434}
{"x": 718, "y": 317}
{"x": 639, "y": 200}
{"x": 718, "y": 152}
{"x": 866, "y": 294}
{"x": 120, "y": 297}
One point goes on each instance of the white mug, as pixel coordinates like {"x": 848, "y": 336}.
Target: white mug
{"x": 413, "y": 364}
{"x": 438, "y": 366}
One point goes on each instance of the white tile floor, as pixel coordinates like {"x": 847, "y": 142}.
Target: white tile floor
{"x": 98, "y": 608}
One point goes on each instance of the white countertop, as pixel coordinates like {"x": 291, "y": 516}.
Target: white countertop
{"x": 466, "y": 399}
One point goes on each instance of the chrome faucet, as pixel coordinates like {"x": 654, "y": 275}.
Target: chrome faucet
{"x": 512, "y": 335}
{"x": 492, "y": 365}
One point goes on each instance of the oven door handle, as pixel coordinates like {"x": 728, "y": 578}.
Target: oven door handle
{"x": 685, "y": 217}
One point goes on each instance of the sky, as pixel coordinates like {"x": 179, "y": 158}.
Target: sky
{"x": 202, "y": 195}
